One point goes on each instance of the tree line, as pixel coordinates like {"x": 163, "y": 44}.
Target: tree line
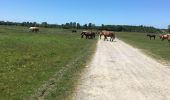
{"x": 89, "y": 26}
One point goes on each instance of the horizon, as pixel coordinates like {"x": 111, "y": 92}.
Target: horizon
{"x": 83, "y": 24}
{"x": 153, "y": 13}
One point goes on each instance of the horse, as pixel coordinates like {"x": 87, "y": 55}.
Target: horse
{"x": 161, "y": 36}
{"x": 89, "y": 35}
{"x": 107, "y": 34}
{"x": 34, "y": 29}
{"x": 74, "y": 31}
{"x": 166, "y": 36}
{"x": 100, "y": 33}
{"x": 151, "y": 35}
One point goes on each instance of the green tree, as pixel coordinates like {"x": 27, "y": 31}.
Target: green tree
{"x": 78, "y": 26}
{"x": 34, "y": 24}
{"x": 71, "y": 25}
{"x": 85, "y": 26}
{"x": 44, "y": 24}
{"x": 74, "y": 25}
{"x": 90, "y": 26}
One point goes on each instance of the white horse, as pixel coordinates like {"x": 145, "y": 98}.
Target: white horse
{"x": 34, "y": 29}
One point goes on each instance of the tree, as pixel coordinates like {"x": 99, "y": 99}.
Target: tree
{"x": 71, "y": 25}
{"x": 85, "y": 26}
{"x": 78, "y": 26}
{"x": 34, "y": 24}
{"x": 90, "y": 26}
{"x": 93, "y": 26}
{"x": 66, "y": 26}
{"x": 44, "y": 24}
{"x": 24, "y": 24}
{"x": 74, "y": 25}
{"x": 102, "y": 25}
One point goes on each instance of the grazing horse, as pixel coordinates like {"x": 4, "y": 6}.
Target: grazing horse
{"x": 34, "y": 29}
{"x": 166, "y": 36}
{"x": 107, "y": 34}
{"x": 89, "y": 35}
{"x": 74, "y": 31}
{"x": 151, "y": 35}
{"x": 161, "y": 36}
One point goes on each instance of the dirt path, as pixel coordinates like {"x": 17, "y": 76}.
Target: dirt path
{"x": 120, "y": 72}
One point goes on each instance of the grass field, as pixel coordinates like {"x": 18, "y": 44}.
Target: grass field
{"x": 156, "y": 48}
{"x": 46, "y": 64}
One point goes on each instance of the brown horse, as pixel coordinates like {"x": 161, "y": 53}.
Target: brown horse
{"x": 162, "y": 36}
{"x": 100, "y": 34}
{"x": 88, "y": 34}
{"x": 107, "y": 34}
{"x": 166, "y": 36}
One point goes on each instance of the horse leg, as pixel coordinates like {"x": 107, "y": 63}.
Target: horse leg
{"x": 100, "y": 36}
{"x": 110, "y": 38}
{"x": 91, "y": 37}
{"x": 82, "y": 36}
{"x": 104, "y": 38}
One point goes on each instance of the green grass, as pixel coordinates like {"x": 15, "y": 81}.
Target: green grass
{"x": 155, "y": 48}
{"x": 28, "y": 61}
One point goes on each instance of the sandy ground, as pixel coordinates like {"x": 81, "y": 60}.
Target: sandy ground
{"x": 120, "y": 72}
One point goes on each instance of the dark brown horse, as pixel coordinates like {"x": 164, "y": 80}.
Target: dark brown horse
{"x": 88, "y": 34}
{"x": 151, "y": 35}
{"x": 107, "y": 34}
{"x": 74, "y": 31}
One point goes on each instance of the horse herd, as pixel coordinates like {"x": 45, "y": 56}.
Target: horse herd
{"x": 161, "y": 36}
{"x": 91, "y": 35}
{"x": 106, "y": 34}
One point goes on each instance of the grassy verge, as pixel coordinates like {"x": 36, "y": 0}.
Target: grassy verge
{"x": 31, "y": 63}
{"x": 63, "y": 89}
{"x": 155, "y": 48}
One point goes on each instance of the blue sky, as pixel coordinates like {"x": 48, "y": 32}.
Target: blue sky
{"x": 117, "y": 12}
